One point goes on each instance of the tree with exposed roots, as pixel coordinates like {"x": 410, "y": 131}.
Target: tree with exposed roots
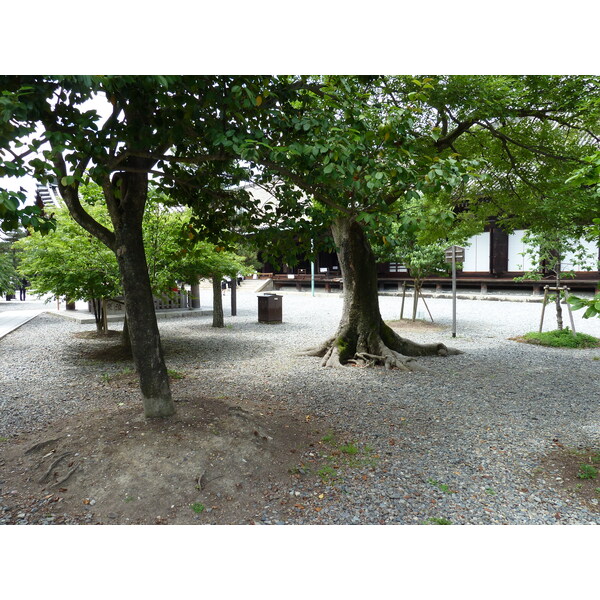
{"x": 363, "y": 147}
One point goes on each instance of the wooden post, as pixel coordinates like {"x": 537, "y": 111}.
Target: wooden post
{"x": 195, "y": 296}
{"x": 104, "y": 316}
{"x": 453, "y": 291}
{"x": 312, "y": 270}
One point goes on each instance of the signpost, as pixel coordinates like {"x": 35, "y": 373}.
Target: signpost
{"x": 453, "y": 255}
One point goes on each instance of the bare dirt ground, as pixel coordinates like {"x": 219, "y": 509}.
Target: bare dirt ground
{"x": 214, "y": 462}
{"x": 219, "y": 460}
{"x": 575, "y": 473}
{"x": 416, "y": 325}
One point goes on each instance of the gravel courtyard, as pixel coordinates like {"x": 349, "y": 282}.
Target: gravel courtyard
{"x": 476, "y": 439}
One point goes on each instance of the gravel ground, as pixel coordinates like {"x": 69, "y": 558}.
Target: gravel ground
{"x": 461, "y": 442}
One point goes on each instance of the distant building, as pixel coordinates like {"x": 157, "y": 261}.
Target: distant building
{"x": 48, "y": 194}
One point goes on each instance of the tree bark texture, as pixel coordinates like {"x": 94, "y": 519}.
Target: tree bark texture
{"x": 125, "y": 339}
{"x": 126, "y": 214}
{"x": 97, "y": 306}
{"x": 218, "y": 320}
{"x": 362, "y": 337}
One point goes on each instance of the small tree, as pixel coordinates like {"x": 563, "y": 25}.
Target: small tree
{"x": 204, "y": 260}
{"x": 548, "y": 250}
{"x": 68, "y": 262}
{"x": 421, "y": 260}
{"x": 418, "y": 238}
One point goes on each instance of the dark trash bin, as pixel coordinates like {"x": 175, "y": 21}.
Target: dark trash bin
{"x": 269, "y": 308}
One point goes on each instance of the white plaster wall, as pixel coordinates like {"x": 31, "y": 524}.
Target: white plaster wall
{"x": 477, "y": 253}
{"x": 570, "y": 262}
{"x": 516, "y": 246}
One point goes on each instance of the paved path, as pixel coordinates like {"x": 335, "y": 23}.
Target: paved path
{"x": 11, "y": 320}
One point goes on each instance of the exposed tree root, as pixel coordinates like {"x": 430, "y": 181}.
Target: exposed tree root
{"x": 53, "y": 466}
{"x": 384, "y": 348}
{"x": 42, "y": 445}
{"x": 332, "y": 358}
{"x": 319, "y": 351}
{"x": 66, "y": 477}
{"x": 390, "y": 360}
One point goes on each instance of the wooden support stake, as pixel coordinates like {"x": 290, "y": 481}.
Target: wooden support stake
{"x": 403, "y": 297}
{"x": 543, "y": 307}
{"x": 425, "y": 303}
{"x": 233, "y": 296}
{"x": 569, "y": 309}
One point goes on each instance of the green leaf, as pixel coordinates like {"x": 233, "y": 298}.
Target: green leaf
{"x": 576, "y": 303}
{"x": 10, "y": 203}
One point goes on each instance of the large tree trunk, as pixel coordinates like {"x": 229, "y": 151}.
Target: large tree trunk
{"x": 126, "y": 214}
{"x": 362, "y": 337}
{"x": 218, "y": 320}
{"x": 126, "y": 193}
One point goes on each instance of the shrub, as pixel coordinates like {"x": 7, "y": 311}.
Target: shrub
{"x": 562, "y": 338}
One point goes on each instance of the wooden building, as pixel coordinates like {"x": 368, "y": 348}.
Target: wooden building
{"x": 493, "y": 259}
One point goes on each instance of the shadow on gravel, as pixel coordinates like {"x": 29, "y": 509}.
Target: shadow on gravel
{"x": 201, "y": 345}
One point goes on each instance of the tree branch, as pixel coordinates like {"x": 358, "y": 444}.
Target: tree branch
{"x": 448, "y": 140}
{"x": 70, "y": 195}
{"x": 535, "y": 149}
